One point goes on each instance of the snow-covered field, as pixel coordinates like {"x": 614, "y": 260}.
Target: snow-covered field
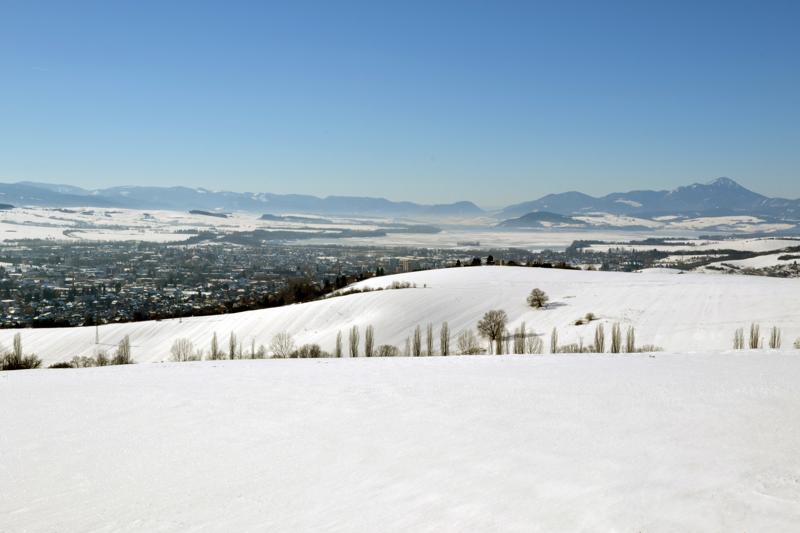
{"x": 515, "y": 443}
{"x": 744, "y": 245}
{"x": 682, "y": 312}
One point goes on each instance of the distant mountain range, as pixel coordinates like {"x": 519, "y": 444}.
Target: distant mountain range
{"x": 722, "y": 196}
{"x": 185, "y": 198}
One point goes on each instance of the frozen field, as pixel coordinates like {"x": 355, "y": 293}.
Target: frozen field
{"x": 680, "y": 312}
{"x": 514, "y": 443}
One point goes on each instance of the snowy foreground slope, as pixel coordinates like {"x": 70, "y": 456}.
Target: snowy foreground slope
{"x": 505, "y": 443}
{"x": 678, "y": 312}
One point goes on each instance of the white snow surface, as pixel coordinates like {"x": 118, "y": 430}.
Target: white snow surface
{"x": 678, "y": 312}
{"x": 505, "y": 443}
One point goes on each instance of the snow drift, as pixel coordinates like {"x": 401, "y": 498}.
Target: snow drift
{"x": 513, "y": 443}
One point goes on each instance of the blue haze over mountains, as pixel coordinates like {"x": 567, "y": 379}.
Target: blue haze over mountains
{"x": 722, "y": 196}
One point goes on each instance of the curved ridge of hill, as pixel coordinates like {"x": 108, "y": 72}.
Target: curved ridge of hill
{"x": 542, "y": 219}
{"x": 678, "y": 312}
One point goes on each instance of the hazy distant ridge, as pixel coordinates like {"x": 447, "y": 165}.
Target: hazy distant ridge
{"x": 722, "y": 196}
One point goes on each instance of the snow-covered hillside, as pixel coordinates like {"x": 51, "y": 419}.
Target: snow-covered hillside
{"x": 681, "y": 312}
{"x": 552, "y": 443}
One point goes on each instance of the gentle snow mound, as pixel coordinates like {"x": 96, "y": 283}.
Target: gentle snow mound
{"x": 548, "y": 443}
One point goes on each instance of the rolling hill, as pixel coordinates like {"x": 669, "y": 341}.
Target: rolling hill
{"x": 678, "y": 312}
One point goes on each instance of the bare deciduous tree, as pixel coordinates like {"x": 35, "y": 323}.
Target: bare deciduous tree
{"x": 232, "y": 346}
{"x": 337, "y": 351}
{"x": 534, "y": 345}
{"x": 354, "y": 341}
{"x": 416, "y": 344}
{"x": 630, "y": 340}
{"x": 123, "y": 355}
{"x": 554, "y": 341}
{"x": 444, "y": 339}
{"x": 369, "y": 341}
{"x": 429, "y": 340}
{"x": 492, "y": 326}
{"x": 387, "y": 350}
{"x": 738, "y": 339}
{"x": 214, "y": 353}
{"x": 775, "y": 338}
{"x": 616, "y": 338}
{"x": 182, "y": 350}
{"x": 755, "y": 336}
{"x": 282, "y": 345}
{"x": 599, "y": 345}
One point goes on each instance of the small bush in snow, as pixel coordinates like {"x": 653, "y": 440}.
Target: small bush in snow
{"x": 387, "y": 350}
{"x": 797, "y": 344}
{"x": 62, "y": 364}
{"x": 648, "y": 348}
{"x": 537, "y": 298}
{"x": 16, "y": 360}
{"x": 102, "y": 358}
{"x": 468, "y": 344}
{"x": 308, "y": 351}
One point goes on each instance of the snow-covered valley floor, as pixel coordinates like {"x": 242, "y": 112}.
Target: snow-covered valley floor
{"x": 505, "y": 443}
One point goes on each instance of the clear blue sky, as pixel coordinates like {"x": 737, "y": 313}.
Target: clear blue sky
{"x": 490, "y": 101}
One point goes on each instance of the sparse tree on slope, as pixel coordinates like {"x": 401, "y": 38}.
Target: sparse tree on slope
{"x": 537, "y": 298}
{"x": 429, "y": 340}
